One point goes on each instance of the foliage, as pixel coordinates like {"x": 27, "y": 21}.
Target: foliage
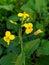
{"x": 28, "y": 24}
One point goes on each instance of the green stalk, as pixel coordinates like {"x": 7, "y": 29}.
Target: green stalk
{"x": 20, "y": 37}
{"x": 21, "y": 41}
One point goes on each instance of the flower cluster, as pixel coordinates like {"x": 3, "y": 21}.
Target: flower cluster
{"x": 29, "y": 27}
{"x": 23, "y": 15}
{"x": 8, "y": 36}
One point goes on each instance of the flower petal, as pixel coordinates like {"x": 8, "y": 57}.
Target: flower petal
{"x": 12, "y": 37}
{"x": 7, "y": 33}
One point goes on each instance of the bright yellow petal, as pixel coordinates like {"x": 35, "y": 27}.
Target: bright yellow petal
{"x": 28, "y": 31}
{"x": 27, "y": 15}
{"x": 25, "y": 25}
{"x": 6, "y": 39}
{"x": 30, "y": 24}
{"x": 8, "y": 42}
{"x": 24, "y": 17}
{"x": 20, "y": 14}
{"x": 12, "y": 37}
{"x": 38, "y": 32}
{"x": 7, "y": 33}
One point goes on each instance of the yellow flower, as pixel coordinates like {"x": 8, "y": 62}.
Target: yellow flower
{"x": 30, "y": 24}
{"x": 8, "y": 36}
{"x": 12, "y": 37}
{"x": 25, "y": 25}
{"x": 20, "y": 14}
{"x": 11, "y": 21}
{"x": 28, "y": 30}
{"x": 38, "y": 32}
{"x": 6, "y": 39}
{"x": 23, "y": 15}
{"x": 7, "y": 33}
{"x": 29, "y": 27}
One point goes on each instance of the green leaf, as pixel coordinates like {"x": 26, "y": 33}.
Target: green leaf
{"x": 13, "y": 17}
{"x": 40, "y": 26}
{"x": 31, "y": 46}
{"x": 8, "y": 59}
{"x": 7, "y": 7}
{"x": 14, "y": 47}
{"x": 20, "y": 59}
{"x": 42, "y": 60}
{"x": 34, "y": 6}
{"x": 29, "y": 7}
{"x": 28, "y": 61}
{"x": 0, "y": 50}
{"x": 44, "y": 48}
{"x": 29, "y": 4}
{"x": 14, "y": 27}
{"x": 40, "y": 5}
{"x": 3, "y": 2}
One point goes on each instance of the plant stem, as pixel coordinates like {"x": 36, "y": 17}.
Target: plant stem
{"x": 21, "y": 41}
{"x": 20, "y": 37}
